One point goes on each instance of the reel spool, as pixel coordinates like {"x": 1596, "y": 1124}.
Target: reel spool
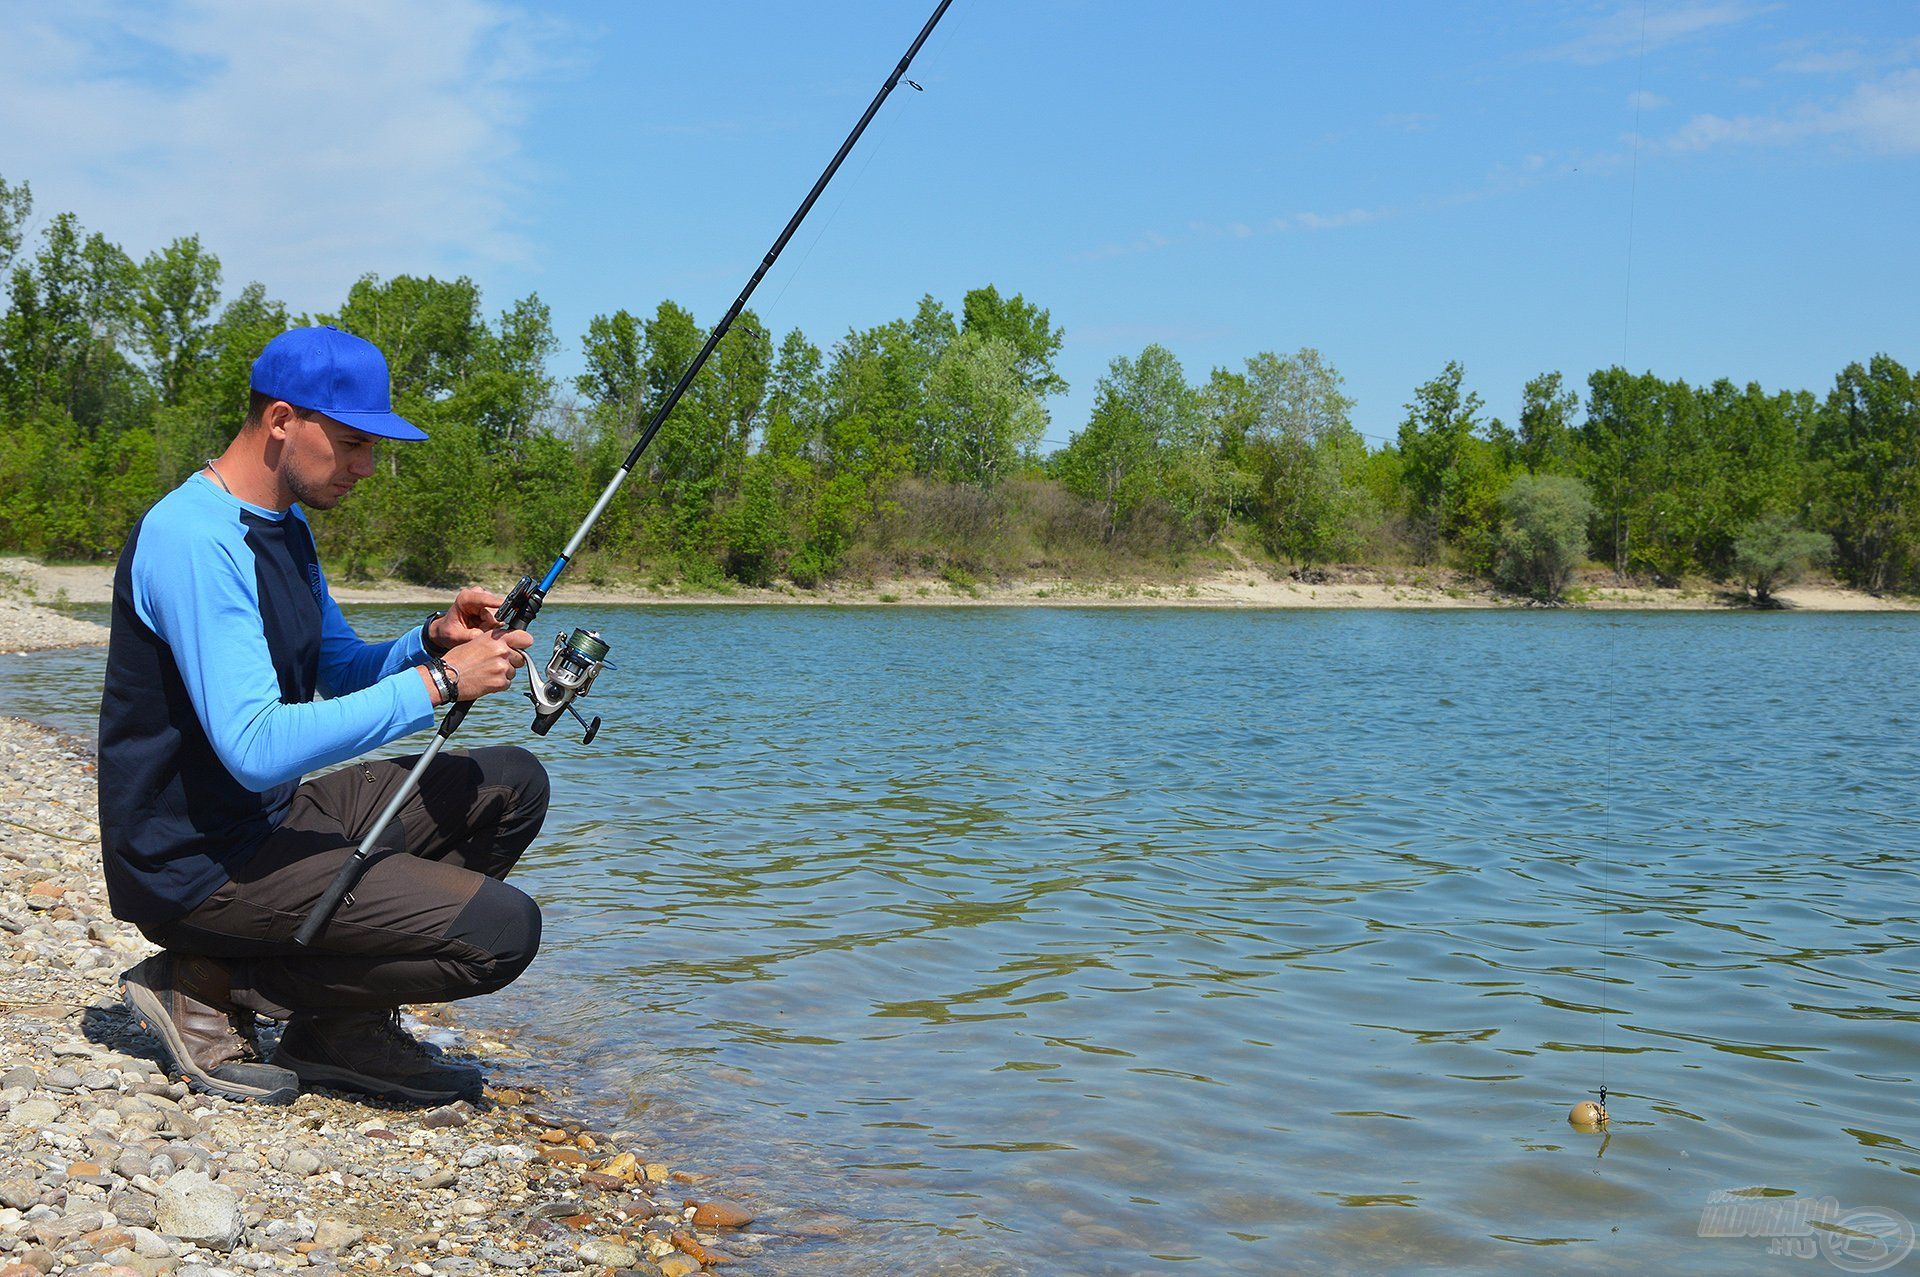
{"x": 577, "y": 659}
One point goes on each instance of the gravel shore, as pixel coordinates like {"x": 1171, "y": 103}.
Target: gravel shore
{"x": 109, "y": 1168}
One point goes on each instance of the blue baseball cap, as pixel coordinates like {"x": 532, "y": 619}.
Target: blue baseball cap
{"x": 336, "y": 375}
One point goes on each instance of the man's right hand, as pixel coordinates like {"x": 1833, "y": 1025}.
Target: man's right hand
{"x": 487, "y": 664}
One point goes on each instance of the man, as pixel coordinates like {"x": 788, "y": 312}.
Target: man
{"x": 223, "y": 631}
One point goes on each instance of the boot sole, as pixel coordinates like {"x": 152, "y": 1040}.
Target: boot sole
{"x": 337, "y": 1078}
{"x": 151, "y": 1015}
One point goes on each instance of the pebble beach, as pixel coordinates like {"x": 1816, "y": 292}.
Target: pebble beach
{"x": 111, "y": 1168}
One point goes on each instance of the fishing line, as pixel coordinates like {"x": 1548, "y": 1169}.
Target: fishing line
{"x": 939, "y": 45}
{"x": 1610, "y": 829}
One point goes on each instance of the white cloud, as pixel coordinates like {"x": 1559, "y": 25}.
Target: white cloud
{"x": 1629, "y": 28}
{"x": 1879, "y": 115}
{"x": 306, "y": 144}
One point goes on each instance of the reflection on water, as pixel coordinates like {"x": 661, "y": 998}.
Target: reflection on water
{"x": 1115, "y": 942}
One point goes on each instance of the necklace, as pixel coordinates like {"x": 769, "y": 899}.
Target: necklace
{"x": 217, "y": 479}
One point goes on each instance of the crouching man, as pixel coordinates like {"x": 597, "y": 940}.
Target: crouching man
{"x": 223, "y": 633}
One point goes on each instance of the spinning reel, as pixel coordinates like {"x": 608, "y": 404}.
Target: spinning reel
{"x": 577, "y": 658}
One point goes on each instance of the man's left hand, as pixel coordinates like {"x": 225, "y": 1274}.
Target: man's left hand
{"x": 470, "y": 617}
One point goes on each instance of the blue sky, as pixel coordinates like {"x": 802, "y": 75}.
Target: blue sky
{"x": 1395, "y": 184}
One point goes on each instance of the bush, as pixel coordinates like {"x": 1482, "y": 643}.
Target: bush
{"x": 1770, "y": 552}
{"x": 1543, "y": 535}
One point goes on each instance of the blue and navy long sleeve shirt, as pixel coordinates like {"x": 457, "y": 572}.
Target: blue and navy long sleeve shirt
{"x": 223, "y": 631}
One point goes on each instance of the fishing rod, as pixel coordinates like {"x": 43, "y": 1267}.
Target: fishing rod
{"x": 579, "y": 657}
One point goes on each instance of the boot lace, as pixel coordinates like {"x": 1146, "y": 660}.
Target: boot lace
{"x": 404, "y": 1043}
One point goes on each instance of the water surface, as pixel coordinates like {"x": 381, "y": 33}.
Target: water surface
{"x": 1100, "y": 941}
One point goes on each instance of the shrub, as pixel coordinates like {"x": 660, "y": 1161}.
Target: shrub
{"x": 1543, "y": 535}
{"x": 1769, "y": 552}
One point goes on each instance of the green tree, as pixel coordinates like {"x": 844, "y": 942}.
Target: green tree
{"x": 1543, "y": 535}
{"x": 1140, "y": 407}
{"x": 981, "y": 415}
{"x": 1451, "y": 476}
{"x": 1547, "y": 439}
{"x": 1866, "y": 452}
{"x": 174, "y": 296}
{"x": 1027, "y": 328}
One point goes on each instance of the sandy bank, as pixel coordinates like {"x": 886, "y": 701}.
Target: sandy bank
{"x": 1244, "y": 587}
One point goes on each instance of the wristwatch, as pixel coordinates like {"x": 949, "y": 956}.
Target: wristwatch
{"x": 426, "y": 636}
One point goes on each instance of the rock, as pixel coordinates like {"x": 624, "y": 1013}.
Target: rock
{"x": 679, "y": 1266}
{"x": 151, "y": 1244}
{"x": 470, "y": 1208}
{"x": 62, "y": 1077}
{"x": 448, "y": 1115}
{"x": 624, "y": 1165}
{"x": 608, "y": 1253}
{"x": 563, "y": 1156}
{"x": 19, "y": 1270}
{"x": 336, "y": 1234}
{"x": 500, "y": 1258}
{"x": 478, "y": 1155}
{"x": 19, "y": 1192}
{"x": 98, "y": 1080}
{"x": 719, "y": 1213}
{"x": 37, "y": 1257}
{"x": 303, "y": 1162}
{"x": 594, "y": 1179}
{"x": 131, "y": 1163}
{"x": 20, "y": 1075}
{"x": 442, "y": 1178}
{"x": 195, "y": 1209}
{"x": 133, "y": 1209}
{"x": 32, "y": 1114}
{"x": 657, "y": 1172}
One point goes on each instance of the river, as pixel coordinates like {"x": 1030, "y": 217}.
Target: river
{"x": 1136, "y": 941}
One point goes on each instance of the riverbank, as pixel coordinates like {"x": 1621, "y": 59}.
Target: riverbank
{"x": 109, "y": 1168}
{"x": 1247, "y": 585}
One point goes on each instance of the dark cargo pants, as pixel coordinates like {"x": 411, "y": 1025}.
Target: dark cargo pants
{"x": 430, "y": 919}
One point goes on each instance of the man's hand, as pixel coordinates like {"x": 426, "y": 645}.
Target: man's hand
{"x": 470, "y": 617}
{"x": 487, "y": 663}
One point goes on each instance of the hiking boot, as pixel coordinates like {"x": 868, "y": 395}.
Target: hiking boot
{"x": 182, "y": 1000}
{"x": 367, "y": 1052}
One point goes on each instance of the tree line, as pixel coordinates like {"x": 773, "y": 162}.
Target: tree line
{"x": 915, "y": 444}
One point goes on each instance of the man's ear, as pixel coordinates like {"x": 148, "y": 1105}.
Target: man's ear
{"x": 278, "y": 417}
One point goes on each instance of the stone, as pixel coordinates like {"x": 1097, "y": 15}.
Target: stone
{"x": 448, "y": 1115}
{"x": 563, "y": 1156}
{"x": 442, "y": 1178}
{"x": 303, "y": 1162}
{"x": 20, "y": 1075}
{"x": 33, "y": 1114}
{"x": 487, "y": 1252}
{"x": 608, "y": 1253}
{"x": 195, "y": 1209}
{"x": 62, "y": 1077}
{"x": 133, "y": 1209}
{"x": 19, "y": 1192}
{"x": 657, "y": 1172}
{"x": 336, "y": 1234}
{"x": 719, "y": 1213}
{"x": 37, "y": 1257}
{"x": 151, "y": 1244}
{"x": 679, "y": 1266}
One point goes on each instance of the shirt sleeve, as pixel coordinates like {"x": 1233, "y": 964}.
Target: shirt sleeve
{"x": 194, "y": 593}
{"x": 350, "y": 664}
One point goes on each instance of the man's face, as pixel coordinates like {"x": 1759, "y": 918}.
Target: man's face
{"x": 323, "y": 459}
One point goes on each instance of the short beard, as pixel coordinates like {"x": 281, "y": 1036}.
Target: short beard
{"x": 313, "y": 496}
